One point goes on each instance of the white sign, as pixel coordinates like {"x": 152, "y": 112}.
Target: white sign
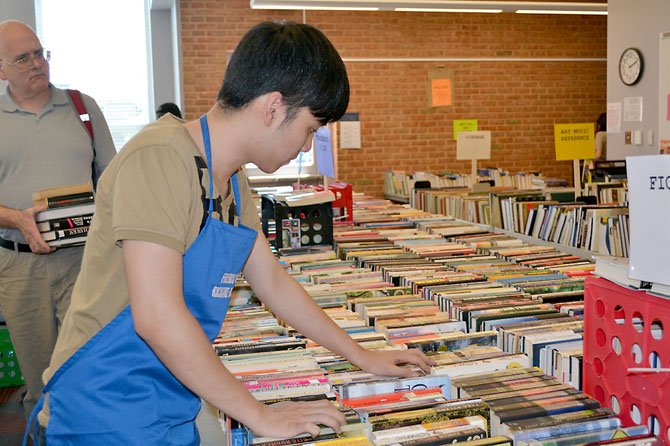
{"x": 324, "y": 152}
{"x": 632, "y": 109}
{"x": 473, "y": 145}
{"x": 350, "y": 131}
{"x": 614, "y": 117}
{"x": 649, "y": 207}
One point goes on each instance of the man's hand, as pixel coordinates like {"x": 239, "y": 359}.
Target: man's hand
{"x": 389, "y": 362}
{"x": 288, "y": 419}
{"x": 25, "y": 222}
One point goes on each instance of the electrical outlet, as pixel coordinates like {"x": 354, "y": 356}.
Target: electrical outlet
{"x": 650, "y": 137}
{"x": 628, "y": 137}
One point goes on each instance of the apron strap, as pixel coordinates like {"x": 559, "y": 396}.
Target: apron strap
{"x": 32, "y": 422}
{"x": 236, "y": 191}
{"x": 204, "y": 128}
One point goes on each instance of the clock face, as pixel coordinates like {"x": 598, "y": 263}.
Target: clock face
{"x": 630, "y": 66}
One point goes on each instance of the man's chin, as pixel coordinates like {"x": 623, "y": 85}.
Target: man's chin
{"x": 271, "y": 169}
{"x": 268, "y": 169}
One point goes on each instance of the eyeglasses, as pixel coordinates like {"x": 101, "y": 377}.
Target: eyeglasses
{"x": 26, "y": 61}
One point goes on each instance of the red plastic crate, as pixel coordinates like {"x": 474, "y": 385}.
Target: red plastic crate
{"x": 624, "y": 329}
{"x": 343, "y": 206}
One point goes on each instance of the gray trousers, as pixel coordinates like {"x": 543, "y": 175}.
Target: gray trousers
{"x": 34, "y": 295}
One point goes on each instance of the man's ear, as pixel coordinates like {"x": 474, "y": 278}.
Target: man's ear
{"x": 272, "y": 107}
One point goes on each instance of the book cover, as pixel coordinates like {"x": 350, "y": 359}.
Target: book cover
{"x": 66, "y": 212}
{"x": 65, "y": 223}
{"x": 70, "y": 241}
{"x": 62, "y": 201}
{"x": 62, "y": 234}
{"x": 40, "y": 197}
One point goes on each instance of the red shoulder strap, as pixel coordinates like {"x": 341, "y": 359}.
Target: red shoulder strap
{"x": 75, "y": 95}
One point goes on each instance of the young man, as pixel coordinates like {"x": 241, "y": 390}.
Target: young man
{"x": 174, "y": 225}
{"x": 44, "y": 145}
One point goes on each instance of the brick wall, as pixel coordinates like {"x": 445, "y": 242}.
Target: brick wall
{"x": 519, "y": 101}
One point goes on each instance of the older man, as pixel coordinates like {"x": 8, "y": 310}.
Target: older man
{"x": 44, "y": 145}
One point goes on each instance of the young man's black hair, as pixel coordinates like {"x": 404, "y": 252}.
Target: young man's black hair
{"x": 168, "y": 107}
{"x": 294, "y": 59}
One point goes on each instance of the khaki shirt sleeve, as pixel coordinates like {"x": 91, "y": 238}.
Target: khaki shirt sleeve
{"x": 153, "y": 198}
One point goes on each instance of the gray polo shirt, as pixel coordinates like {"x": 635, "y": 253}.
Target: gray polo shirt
{"x": 46, "y": 150}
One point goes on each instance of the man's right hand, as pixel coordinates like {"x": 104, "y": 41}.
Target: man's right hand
{"x": 25, "y": 222}
{"x": 288, "y": 419}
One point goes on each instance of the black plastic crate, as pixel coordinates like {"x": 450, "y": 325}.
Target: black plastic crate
{"x": 316, "y": 222}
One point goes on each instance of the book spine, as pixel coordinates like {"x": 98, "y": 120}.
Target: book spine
{"x": 65, "y": 223}
{"x": 69, "y": 200}
{"x": 64, "y": 234}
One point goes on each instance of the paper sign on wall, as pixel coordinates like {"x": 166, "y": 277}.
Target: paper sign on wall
{"x": 614, "y": 117}
{"x": 649, "y": 194}
{"x": 464, "y": 125}
{"x": 632, "y": 109}
{"x": 440, "y": 88}
{"x": 441, "y": 92}
{"x": 574, "y": 141}
{"x": 323, "y": 150}
{"x": 473, "y": 145}
{"x": 350, "y": 131}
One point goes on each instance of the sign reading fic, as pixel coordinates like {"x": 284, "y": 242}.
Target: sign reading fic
{"x": 574, "y": 141}
{"x": 648, "y": 195}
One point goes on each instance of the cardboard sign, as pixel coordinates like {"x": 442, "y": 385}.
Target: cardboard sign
{"x": 473, "y": 145}
{"x": 574, "y": 141}
{"x": 649, "y": 207}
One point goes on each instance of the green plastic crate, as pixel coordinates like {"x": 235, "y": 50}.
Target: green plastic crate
{"x": 10, "y": 373}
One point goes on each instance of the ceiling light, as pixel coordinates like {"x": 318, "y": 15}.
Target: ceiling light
{"x": 475, "y": 6}
{"x": 446, "y": 10}
{"x": 301, "y": 6}
{"x": 559, "y": 11}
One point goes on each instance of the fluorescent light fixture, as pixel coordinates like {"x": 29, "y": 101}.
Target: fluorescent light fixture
{"x": 447, "y": 10}
{"x": 476, "y": 6}
{"x": 559, "y": 11}
{"x": 317, "y": 7}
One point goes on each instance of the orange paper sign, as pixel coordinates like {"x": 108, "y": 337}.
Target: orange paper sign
{"x": 441, "y": 89}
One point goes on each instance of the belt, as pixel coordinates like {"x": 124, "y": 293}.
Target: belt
{"x": 15, "y": 246}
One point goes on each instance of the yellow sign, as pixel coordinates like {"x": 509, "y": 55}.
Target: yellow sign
{"x": 464, "y": 125}
{"x": 441, "y": 89}
{"x": 574, "y": 141}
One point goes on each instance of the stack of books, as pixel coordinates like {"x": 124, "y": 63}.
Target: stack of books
{"x": 68, "y": 216}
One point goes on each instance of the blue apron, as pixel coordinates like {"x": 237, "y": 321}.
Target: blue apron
{"x": 114, "y": 389}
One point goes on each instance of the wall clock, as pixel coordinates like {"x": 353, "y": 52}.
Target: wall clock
{"x": 631, "y": 66}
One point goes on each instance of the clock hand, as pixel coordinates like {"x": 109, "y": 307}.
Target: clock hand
{"x": 631, "y": 65}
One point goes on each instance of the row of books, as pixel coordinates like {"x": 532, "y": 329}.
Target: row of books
{"x": 400, "y": 184}
{"x": 602, "y": 229}
{"x": 419, "y": 274}
{"x": 68, "y": 214}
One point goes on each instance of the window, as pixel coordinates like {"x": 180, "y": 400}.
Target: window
{"x": 303, "y": 166}
{"x": 100, "y": 48}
